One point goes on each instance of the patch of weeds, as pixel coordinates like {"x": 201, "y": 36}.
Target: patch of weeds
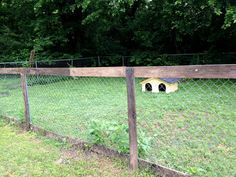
{"x": 196, "y": 171}
{"x": 116, "y": 135}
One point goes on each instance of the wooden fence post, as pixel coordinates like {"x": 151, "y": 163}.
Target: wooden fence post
{"x": 26, "y": 100}
{"x": 31, "y": 59}
{"x": 133, "y": 144}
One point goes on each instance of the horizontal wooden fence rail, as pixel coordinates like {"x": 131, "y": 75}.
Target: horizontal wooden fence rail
{"x": 11, "y": 70}
{"x": 188, "y": 71}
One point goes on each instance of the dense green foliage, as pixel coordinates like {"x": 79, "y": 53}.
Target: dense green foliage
{"x": 140, "y": 28}
{"x": 117, "y": 134}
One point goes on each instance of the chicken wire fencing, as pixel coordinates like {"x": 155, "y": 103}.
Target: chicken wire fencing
{"x": 192, "y": 128}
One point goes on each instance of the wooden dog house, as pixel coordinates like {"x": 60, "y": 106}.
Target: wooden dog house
{"x": 156, "y": 85}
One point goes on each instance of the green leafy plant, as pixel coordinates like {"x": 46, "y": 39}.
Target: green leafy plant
{"x": 116, "y": 135}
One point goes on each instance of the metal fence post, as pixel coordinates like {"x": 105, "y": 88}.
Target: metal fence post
{"x": 133, "y": 144}
{"x": 26, "y": 100}
{"x": 123, "y": 60}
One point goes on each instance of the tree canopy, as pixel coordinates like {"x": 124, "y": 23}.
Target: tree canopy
{"x": 140, "y": 28}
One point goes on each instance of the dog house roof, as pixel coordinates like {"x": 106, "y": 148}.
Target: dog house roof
{"x": 168, "y": 80}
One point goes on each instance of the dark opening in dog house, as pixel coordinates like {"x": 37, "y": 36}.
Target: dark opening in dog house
{"x": 148, "y": 87}
{"x": 156, "y": 85}
{"x": 162, "y": 88}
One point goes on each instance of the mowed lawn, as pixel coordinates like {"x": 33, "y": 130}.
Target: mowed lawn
{"x": 26, "y": 154}
{"x": 192, "y": 130}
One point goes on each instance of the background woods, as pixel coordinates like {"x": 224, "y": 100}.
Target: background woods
{"x": 143, "y": 29}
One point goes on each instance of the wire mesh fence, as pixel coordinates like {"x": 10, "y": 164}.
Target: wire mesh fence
{"x": 90, "y": 108}
{"x": 192, "y": 128}
{"x": 11, "y": 100}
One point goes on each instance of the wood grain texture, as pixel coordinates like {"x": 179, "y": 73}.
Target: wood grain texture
{"x": 31, "y": 58}
{"x": 133, "y": 144}
{"x": 83, "y": 72}
{"x": 190, "y": 71}
{"x": 48, "y": 71}
{"x": 26, "y": 99}
{"x": 98, "y": 72}
{"x": 11, "y": 70}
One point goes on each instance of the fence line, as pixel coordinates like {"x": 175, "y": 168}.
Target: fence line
{"x": 130, "y": 73}
{"x": 188, "y": 71}
{"x": 186, "y": 58}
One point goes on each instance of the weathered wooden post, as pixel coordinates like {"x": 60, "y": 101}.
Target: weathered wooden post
{"x": 133, "y": 144}
{"x": 26, "y": 100}
{"x": 31, "y": 58}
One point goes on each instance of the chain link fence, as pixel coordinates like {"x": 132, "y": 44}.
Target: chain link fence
{"x": 93, "y": 109}
{"x": 73, "y": 62}
{"x": 191, "y": 129}
{"x": 11, "y": 99}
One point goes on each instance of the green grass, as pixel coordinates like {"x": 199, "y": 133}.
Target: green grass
{"x": 191, "y": 130}
{"x": 26, "y": 154}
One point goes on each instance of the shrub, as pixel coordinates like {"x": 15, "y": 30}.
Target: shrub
{"x": 116, "y": 135}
